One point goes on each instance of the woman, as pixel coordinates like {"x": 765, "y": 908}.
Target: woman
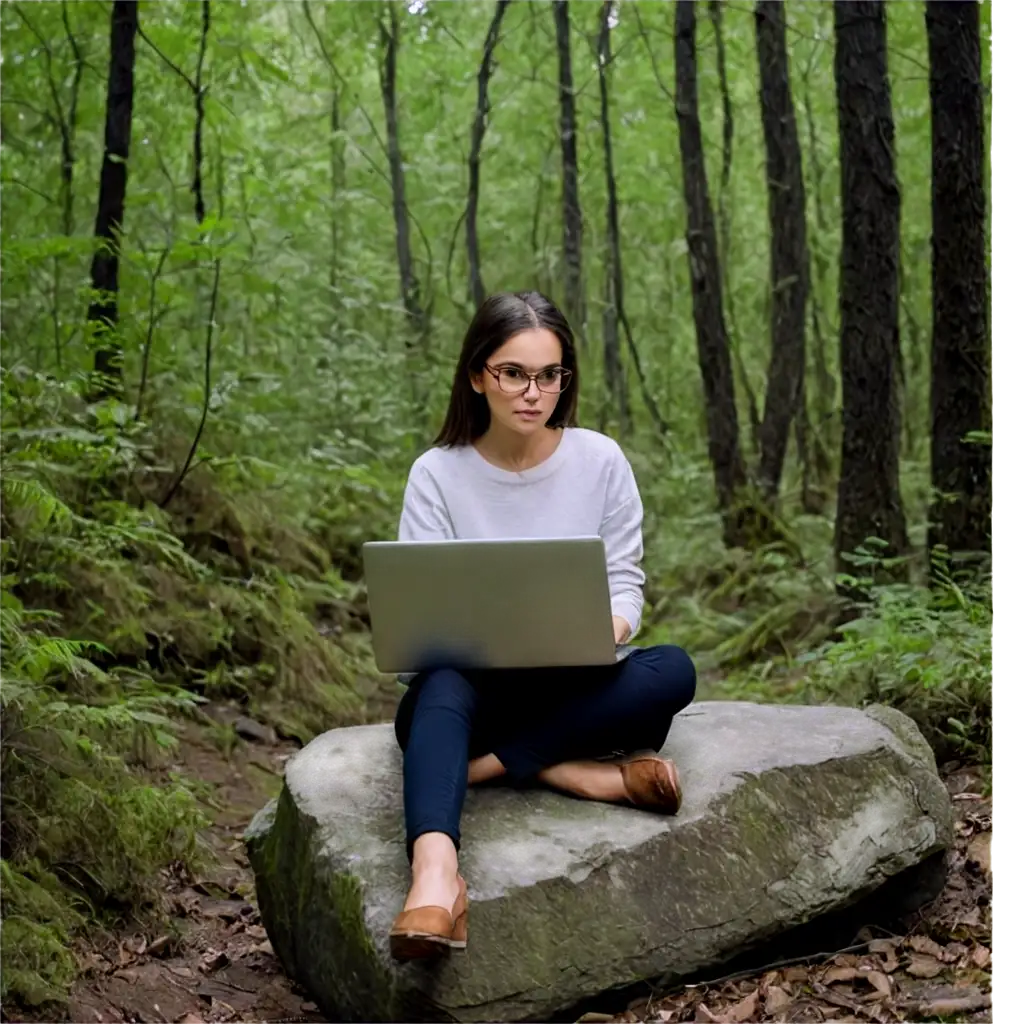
{"x": 511, "y": 462}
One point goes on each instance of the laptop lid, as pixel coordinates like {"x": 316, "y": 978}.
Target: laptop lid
{"x": 489, "y": 603}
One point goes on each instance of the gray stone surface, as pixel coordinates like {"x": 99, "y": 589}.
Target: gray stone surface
{"x": 788, "y": 812}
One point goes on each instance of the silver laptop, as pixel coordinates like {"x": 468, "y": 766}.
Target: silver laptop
{"x": 491, "y": 604}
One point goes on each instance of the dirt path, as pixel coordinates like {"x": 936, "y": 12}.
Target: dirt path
{"x": 215, "y": 963}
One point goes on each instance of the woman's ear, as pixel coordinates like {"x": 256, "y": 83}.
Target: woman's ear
{"x": 476, "y": 382}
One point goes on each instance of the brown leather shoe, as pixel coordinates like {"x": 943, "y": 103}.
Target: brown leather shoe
{"x": 652, "y": 783}
{"x": 431, "y": 931}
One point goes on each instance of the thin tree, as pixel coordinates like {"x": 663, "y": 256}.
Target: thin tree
{"x": 102, "y": 315}
{"x": 614, "y": 372}
{"x": 408, "y": 282}
{"x": 960, "y": 517}
{"x": 869, "y": 503}
{"x": 789, "y": 261}
{"x": 706, "y": 289}
{"x": 483, "y": 108}
{"x": 716, "y": 9}
{"x": 572, "y": 215}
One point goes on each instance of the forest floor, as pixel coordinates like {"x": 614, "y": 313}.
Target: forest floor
{"x": 215, "y": 963}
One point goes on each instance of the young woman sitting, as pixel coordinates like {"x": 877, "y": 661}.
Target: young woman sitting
{"x": 511, "y": 462}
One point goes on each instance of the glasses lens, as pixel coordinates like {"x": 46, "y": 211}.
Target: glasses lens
{"x": 511, "y": 378}
{"x": 551, "y": 380}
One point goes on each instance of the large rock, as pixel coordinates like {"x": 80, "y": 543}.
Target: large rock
{"x": 788, "y": 812}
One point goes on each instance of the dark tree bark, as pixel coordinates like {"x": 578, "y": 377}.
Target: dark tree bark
{"x": 483, "y": 108}
{"x": 715, "y": 9}
{"x": 869, "y": 503}
{"x": 706, "y": 288}
{"x": 197, "y": 132}
{"x": 408, "y": 281}
{"x": 960, "y": 399}
{"x": 825, "y": 383}
{"x": 572, "y": 215}
{"x": 614, "y": 373}
{"x": 789, "y": 261}
{"x": 102, "y": 315}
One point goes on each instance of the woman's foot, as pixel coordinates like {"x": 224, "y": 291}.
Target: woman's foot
{"x": 652, "y": 783}
{"x": 434, "y": 917}
{"x": 647, "y": 782}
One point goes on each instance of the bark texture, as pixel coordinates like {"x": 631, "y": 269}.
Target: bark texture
{"x": 706, "y": 285}
{"x": 961, "y": 356}
{"x": 102, "y": 314}
{"x": 789, "y": 261}
{"x": 869, "y": 503}
{"x": 572, "y": 215}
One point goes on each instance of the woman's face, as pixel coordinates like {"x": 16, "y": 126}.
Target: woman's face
{"x": 516, "y": 407}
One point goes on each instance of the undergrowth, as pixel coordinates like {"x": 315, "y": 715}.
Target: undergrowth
{"x": 119, "y": 617}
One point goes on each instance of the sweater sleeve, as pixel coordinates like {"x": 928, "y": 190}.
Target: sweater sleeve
{"x": 622, "y": 532}
{"x": 424, "y": 513}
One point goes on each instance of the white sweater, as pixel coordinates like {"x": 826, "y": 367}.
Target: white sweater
{"x": 586, "y": 488}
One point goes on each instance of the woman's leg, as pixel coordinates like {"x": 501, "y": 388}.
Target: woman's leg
{"x": 629, "y": 710}
{"x": 433, "y": 726}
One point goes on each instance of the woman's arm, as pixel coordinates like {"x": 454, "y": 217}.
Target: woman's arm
{"x": 622, "y": 531}
{"x": 424, "y": 514}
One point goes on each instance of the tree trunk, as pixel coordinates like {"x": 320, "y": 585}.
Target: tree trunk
{"x": 102, "y": 315}
{"x": 483, "y": 108}
{"x": 869, "y": 503}
{"x": 715, "y": 9}
{"x": 408, "y": 282}
{"x": 960, "y": 400}
{"x": 789, "y": 261}
{"x": 706, "y": 288}
{"x": 614, "y": 375}
{"x": 572, "y": 215}
{"x": 197, "y": 135}
{"x": 825, "y": 384}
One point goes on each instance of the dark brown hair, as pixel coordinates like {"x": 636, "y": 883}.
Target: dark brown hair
{"x": 499, "y": 318}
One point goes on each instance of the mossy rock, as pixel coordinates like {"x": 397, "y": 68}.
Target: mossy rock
{"x": 789, "y": 813}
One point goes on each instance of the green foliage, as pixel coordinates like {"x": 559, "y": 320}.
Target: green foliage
{"x": 80, "y": 830}
{"x": 924, "y": 650}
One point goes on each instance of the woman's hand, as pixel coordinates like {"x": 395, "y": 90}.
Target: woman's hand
{"x": 622, "y": 629}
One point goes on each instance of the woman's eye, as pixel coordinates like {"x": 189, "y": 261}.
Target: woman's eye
{"x": 512, "y": 373}
{"x": 548, "y": 376}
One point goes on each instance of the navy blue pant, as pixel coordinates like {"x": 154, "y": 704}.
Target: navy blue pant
{"x": 530, "y": 720}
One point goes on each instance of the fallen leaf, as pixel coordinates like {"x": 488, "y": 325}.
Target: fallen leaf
{"x": 880, "y": 983}
{"x": 834, "y": 974}
{"x": 979, "y": 851}
{"x": 744, "y": 1010}
{"x": 972, "y": 919}
{"x": 923, "y": 966}
{"x": 953, "y": 951}
{"x": 181, "y": 972}
{"x": 887, "y": 948}
{"x": 666, "y": 1015}
{"x": 214, "y": 960}
{"x": 776, "y": 1000}
{"x": 923, "y": 944}
{"x": 159, "y": 946}
{"x": 981, "y": 956}
{"x": 953, "y": 1006}
{"x": 705, "y": 1016}
{"x": 796, "y": 975}
{"x": 592, "y": 1018}
{"x": 189, "y": 1018}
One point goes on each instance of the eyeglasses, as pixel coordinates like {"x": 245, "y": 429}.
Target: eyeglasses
{"x": 515, "y": 380}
